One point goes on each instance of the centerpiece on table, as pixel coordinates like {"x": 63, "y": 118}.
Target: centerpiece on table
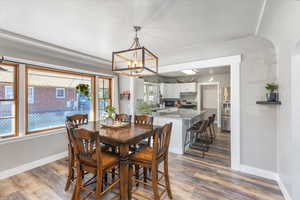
{"x": 110, "y": 119}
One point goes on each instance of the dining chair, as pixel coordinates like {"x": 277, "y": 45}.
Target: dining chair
{"x": 72, "y": 122}
{"x": 151, "y": 157}
{"x": 147, "y": 121}
{"x": 123, "y": 118}
{"x": 89, "y": 159}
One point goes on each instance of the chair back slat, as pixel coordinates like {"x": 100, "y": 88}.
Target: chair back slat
{"x": 78, "y": 119}
{"x": 143, "y": 120}
{"x": 87, "y": 147}
{"x": 123, "y": 117}
{"x": 162, "y": 141}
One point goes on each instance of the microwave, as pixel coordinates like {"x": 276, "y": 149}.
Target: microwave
{"x": 170, "y": 103}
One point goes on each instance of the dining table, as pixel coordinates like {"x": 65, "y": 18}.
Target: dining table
{"x": 122, "y": 138}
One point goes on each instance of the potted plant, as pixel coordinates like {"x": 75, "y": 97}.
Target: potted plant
{"x": 83, "y": 89}
{"x": 272, "y": 95}
{"x": 111, "y": 114}
{"x": 144, "y": 108}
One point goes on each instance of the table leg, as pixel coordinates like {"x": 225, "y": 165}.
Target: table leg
{"x": 124, "y": 172}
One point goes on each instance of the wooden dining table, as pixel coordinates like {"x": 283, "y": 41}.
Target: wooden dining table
{"x": 122, "y": 138}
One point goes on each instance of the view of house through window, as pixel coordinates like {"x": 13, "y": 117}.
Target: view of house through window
{"x": 151, "y": 94}
{"x": 8, "y": 101}
{"x": 104, "y": 96}
{"x": 52, "y": 96}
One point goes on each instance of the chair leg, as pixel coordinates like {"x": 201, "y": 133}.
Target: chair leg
{"x": 130, "y": 180}
{"x": 167, "y": 179}
{"x": 145, "y": 170}
{"x": 137, "y": 171}
{"x": 70, "y": 168}
{"x": 155, "y": 183}
{"x": 76, "y": 196}
{"x": 99, "y": 185}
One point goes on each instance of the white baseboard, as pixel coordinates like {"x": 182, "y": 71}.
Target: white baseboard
{"x": 259, "y": 172}
{"x": 266, "y": 174}
{"x": 283, "y": 190}
{"x": 28, "y": 166}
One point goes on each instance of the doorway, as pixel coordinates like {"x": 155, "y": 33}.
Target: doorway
{"x": 234, "y": 62}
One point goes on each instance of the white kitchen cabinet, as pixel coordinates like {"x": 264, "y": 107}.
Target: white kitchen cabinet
{"x": 188, "y": 87}
{"x": 173, "y": 90}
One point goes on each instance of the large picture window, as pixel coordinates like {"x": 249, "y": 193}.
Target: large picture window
{"x": 51, "y": 96}
{"x": 104, "y": 95}
{"x": 8, "y": 100}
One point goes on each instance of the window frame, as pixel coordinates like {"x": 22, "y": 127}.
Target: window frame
{"x": 110, "y": 92}
{"x": 15, "y": 99}
{"x": 32, "y": 94}
{"x": 56, "y": 92}
{"x": 30, "y": 67}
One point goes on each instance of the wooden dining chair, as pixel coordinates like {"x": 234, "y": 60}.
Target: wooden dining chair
{"x": 123, "y": 118}
{"x": 150, "y": 158}
{"x": 143, "y": 120}
{"x": 91, "y": 160}
{"x": 147, "y": 121}
{"x": 72, "y": 122}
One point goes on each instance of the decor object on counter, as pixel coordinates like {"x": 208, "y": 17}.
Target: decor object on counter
{"x": 83, "y": 89}
{"x": 272, "y": 95}
{"x": 135, "y": 61}
{"x": 144, "y": 108}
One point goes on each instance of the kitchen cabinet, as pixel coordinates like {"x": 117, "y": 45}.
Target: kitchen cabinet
{"x": 173, "y": 90}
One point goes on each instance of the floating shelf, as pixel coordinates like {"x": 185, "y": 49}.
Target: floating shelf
{"x": 125, "y": 96}
{"x": 269, "y": 102}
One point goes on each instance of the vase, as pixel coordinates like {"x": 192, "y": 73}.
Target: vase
{"x": 272, "y": 97}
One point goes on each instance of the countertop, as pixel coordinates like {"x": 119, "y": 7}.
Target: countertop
{"x": 185, "y": 114}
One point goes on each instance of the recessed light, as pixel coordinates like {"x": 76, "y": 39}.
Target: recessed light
{"x": 189, "y": 72}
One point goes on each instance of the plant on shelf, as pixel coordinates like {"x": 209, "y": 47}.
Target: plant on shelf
{"x": 83, "y": 89}
{"x": 272, "y": 94}
{"x": 144, "y": 108}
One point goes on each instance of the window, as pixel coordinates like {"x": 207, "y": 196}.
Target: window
{"x": 151, "y": 93}
{"x": 53, "y": 97}
{"x": 8, "y": 101}
{"x": 60, "y": 93}
{"x": 31, "y": 95}
{"x": 104, "y": 95}
{"x": 8, "y": 91}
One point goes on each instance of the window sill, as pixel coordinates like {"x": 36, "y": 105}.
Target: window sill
{"x": 32, "y": 136}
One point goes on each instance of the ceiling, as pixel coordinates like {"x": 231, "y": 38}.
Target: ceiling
{"x": 98, "y": 27}
{"x": 200, "y": 72}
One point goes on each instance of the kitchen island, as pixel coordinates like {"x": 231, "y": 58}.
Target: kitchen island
{"x": 182, "y": 119}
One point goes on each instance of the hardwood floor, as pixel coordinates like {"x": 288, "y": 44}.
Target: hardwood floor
{"x": 192, "y": 178}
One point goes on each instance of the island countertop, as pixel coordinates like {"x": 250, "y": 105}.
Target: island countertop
{"x": 185, "y": 114}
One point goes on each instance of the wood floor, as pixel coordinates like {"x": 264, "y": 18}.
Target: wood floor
{"x": 192, "y": 178}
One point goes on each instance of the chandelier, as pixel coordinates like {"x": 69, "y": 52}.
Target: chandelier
{"x": 135, "y": 61}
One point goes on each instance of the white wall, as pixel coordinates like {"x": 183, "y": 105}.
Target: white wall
{"x": 281, "y": 25}
{"x": 14, "y": 153}
{"x": 258, "y": 123}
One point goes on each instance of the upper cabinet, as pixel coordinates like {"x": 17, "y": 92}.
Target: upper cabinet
{"x": 173, "y": 90}
{"x": 188, "y": 87}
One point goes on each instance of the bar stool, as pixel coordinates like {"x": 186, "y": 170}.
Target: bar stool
{"x": 202, "y": 138}
{"x": 190, "y": 133}
{"x": 72, "y": 122}
{"x": 151, "y": 157}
